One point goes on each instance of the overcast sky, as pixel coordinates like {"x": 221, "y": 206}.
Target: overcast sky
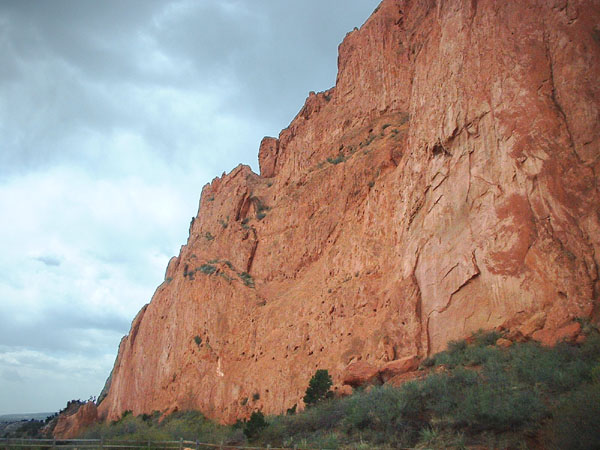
{"x": 113, "y": 115}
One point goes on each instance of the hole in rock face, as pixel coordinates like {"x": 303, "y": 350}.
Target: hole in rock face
{"x": 438, "y": 149}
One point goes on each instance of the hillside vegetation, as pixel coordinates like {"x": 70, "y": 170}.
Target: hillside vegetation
{"x": 473, "y": 394}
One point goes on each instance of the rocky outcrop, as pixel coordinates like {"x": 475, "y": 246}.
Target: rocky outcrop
{"x": 74, "y": 419}
{"x": 447, "y": 183}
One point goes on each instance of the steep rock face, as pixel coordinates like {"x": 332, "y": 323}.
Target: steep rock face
{"x": 447, "y": 183}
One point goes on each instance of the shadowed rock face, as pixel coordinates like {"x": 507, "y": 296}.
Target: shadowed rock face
{"x": 447, "y": 183}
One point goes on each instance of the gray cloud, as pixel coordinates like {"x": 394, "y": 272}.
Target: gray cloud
{"x": 51, "y": 261}
{"x": 11, "y": 376}
{"x": 62, "y": 329}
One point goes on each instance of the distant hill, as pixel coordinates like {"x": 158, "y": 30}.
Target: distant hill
{"x": 19, "y": 417}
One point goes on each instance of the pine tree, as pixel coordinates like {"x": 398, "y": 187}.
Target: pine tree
{"x": 318, "y": 388}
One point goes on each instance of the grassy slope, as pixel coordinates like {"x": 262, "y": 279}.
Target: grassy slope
{"x": 475, "y": 394}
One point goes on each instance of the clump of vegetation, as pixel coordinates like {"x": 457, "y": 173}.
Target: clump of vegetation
{"x": 340, "y": 158}
{"x": 368, "y": 141}
{"x": 207, "y": 269}
{"x": 189, "y": 425}
{"x": 208, "y": 236}
{"x": 576, "y": 421}
{"x": 246, "y": 279}
{"x": 261, "y": 211}
{"x": 198, "y": 340}
{"x": 318, "y": 388}
{"x": 27, "y": 429}
{"x": 255, "y": 425}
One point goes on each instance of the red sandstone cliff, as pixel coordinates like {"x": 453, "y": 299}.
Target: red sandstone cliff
{"x": 448, "y": 182}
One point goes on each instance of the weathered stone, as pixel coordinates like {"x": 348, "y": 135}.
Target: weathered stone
{"x": 398, "y": 367}
{"x": 402, "y": 378}
{"x": 504, "y": 343}
{"x": 551, "y": 337}
{"x": 343, "y": 390}
{"x": 533, "y": 324}
{"x": 267, "y": 156}
{"x": 361, "y": 373}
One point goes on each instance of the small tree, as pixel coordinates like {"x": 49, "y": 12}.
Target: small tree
{"x": 255, "y": 425}
{"x": 318, "y": 388}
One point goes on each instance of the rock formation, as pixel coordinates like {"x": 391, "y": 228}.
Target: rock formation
{"x": 447, "y": 183}
{"x": 72, "y": 420}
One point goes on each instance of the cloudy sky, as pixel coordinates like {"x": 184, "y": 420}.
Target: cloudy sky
{"x": 113, "y": 115}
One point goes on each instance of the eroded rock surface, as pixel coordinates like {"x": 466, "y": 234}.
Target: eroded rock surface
{"x": 73, "y": 421}
{"x": 447, "y": 183}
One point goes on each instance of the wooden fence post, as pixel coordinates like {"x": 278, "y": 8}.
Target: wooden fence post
{"x": 197, "y": 445}
{"x": 102, "y": 442}
{"x": 180, "y": 443}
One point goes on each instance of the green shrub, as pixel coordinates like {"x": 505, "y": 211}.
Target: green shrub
{"x": 380, "y": 409}
{"x": 321, "y": 418}
{"x": 442, "y": 393}
{"x": 428, "y": 362}
{"x": 246, "y": 279}
{"x": 338, "y": 159}
{"x": 495, "y": 407}
{"x": 554, "y": 369}
{"x": 455, "y": 347}
{"x": 207, "y": 269}
{"x": 595, "y": 374}
{"x": 255, "y": 425}
{"x": 483, "y": 338}
{"x": 261, "y": 209}
{"x": 590, "y": 350}
{"x": 198, "y": 340}
{"x": 318, "y": 388}
{"x": 475, "y": 355}
{"x": 576, "y": 420}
